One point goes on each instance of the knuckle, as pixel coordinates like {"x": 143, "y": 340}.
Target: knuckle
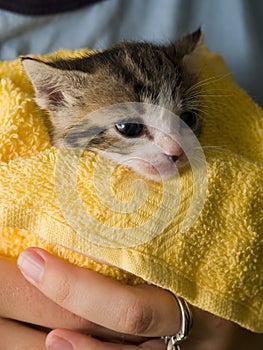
{"x": 137, "y": 319}
{"x": 62, "y": 292}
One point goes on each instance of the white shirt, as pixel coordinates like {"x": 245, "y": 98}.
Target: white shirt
{"x": 233, "y": 28}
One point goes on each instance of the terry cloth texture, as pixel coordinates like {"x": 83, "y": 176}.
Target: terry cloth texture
{"x": 215, "y": 262}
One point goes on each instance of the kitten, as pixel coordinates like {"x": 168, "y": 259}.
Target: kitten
{"x": 71, "y": 89}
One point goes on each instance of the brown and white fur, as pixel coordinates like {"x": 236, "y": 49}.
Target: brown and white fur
{"x": 71, "y": 89}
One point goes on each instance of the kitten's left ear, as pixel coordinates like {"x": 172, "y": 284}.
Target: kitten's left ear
{"x": 185, "y": 45}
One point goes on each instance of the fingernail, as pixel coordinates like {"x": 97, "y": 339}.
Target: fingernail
{"x": 31, "y": 265}
{"x": 57, "y": 343}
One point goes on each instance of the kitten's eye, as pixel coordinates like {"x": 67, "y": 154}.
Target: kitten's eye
{"x": 129, "y": 129}
{"x": 190, "y": 118}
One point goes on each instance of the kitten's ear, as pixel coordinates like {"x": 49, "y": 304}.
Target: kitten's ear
{"x": 53, "y": 87}
{"x": 185, "y": 45}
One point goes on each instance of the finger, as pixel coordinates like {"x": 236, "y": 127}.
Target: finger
{"x": 14, "y": 335}
{"x": 141, "y": 310}
{"x": 21, "y": 301}
{"x": 69, "y": 340}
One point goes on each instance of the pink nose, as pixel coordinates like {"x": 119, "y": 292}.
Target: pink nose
{"x": 170, "y": 147}
{"x": 173, "y": 159}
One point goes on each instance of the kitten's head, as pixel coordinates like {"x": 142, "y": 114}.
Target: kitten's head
{"x": 128, "y": 72}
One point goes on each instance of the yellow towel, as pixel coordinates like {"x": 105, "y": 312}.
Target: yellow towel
{"x": 215, "y": 262}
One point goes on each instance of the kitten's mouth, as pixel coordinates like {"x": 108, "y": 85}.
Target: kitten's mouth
{"x": 163, "y": 169}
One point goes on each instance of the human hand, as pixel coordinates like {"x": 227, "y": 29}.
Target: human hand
{"x": 144, "y": 311}
{"x": 26, "y": 315}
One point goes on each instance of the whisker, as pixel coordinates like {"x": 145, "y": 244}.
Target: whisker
{"x": 206, "y": 108}
{"x": 207, "y": 81}
{"x": 209, "y": 92}
{"x": 222, "y": 147}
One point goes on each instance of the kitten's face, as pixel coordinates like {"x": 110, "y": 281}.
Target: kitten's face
{"x": 145, "y": 139}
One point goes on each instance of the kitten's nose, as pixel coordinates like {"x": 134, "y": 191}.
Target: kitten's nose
{"x": 170, "y": 147}
{"x": 173, "y": 159}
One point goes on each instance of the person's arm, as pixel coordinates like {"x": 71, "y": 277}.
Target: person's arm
{"x": 141, "y": 311}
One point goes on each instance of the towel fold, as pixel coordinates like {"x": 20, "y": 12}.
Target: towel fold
{"x": 136, "y": 230}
